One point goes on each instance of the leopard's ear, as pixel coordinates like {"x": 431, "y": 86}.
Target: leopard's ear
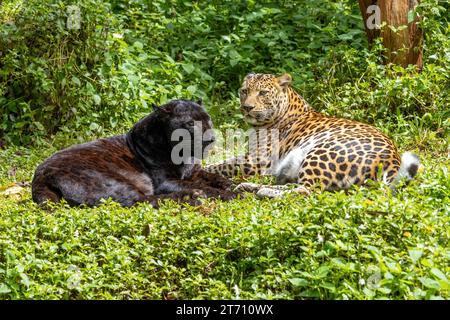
{"x": 284, "y": 80}
{"x": 200, "y": 101}
{"x": 249, "y": 76}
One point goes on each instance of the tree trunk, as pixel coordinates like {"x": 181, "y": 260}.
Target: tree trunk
{"x": 372, "y": 31}
{"x": 402, "y": 40}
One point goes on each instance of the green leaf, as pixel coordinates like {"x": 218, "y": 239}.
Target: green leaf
{"x": 393, "y": 266}
{"x": 299, "y": 282}
{"x": 384, "y": 290}
{"x": 322, "y": 272}
{"x": 4, "y": 289}
{"x": 411, "y": 16}
{"x": 97, "y": 99}
{"x": 438, "y": 273}
{"x": 429, "y": 283}
{"x": 374, "y": 250}
{"x": 76, "y": 81}
{"x": 25, "y": 280}
{"x": 415, "y": 254}
{"x": 345, "y": 36}
{"x": 368, "y": 292}
{"x": 94, "y": 126}
{"x": 329, "y": 286}
{"x": 39, "y": 126}
{"x": 138, "y": 45}
{"x": 113, "y": 121}
{"x": 192, "y": 89}
{"x": 189, "y": 68}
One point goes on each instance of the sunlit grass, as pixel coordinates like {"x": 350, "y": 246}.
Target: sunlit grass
{"x": 362, "y": 244}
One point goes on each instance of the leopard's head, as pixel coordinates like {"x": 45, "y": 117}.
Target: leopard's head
{"x": 264, "y": 97}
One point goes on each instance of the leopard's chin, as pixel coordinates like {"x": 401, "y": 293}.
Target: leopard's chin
{"x": 253, "y": 121}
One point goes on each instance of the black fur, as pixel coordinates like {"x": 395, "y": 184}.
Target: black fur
{"x": 133, "y": 167}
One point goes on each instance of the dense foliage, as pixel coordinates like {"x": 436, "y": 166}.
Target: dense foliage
{"x": 126, "y": 55}
{"x": 60, "y": 84}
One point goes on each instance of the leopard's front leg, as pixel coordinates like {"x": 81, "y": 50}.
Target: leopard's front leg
{"x": 241, "y": 165}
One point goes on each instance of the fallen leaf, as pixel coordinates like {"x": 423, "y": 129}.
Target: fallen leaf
{"x": 13, "y": 192}
{"x": 207, "y": 210}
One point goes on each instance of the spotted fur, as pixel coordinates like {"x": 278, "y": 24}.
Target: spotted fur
{"x": 314, "y": 149}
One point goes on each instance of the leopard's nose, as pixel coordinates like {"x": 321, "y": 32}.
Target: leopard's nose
{"x": 247, "y": 107}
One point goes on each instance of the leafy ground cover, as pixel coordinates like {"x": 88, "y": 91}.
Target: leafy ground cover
{"x": 61, "y": 86}
{"x": 366, "y": 243}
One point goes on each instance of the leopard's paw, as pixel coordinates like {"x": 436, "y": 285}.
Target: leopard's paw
{"x": 267, "y": 192}
{"x": 247, "y": 187}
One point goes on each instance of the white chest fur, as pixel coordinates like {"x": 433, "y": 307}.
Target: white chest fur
{"x": 288, "y": 168}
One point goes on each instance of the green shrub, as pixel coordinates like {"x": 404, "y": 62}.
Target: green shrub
{"x": 47, "y": 70}
{"x": 53, "y": 77}
{"x": 129, "y": 54}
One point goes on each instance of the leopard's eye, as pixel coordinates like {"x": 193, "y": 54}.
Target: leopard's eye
{"x": 243, "y": 91}
{"x": 263, "y": 92}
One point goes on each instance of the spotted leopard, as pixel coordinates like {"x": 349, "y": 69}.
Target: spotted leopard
{"x": 313, "y": 149}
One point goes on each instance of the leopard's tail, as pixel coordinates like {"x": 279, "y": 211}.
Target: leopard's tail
{"x": 409, "y": 167}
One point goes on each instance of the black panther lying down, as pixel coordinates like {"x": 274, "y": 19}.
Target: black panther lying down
{"x": 137, "y": 166}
